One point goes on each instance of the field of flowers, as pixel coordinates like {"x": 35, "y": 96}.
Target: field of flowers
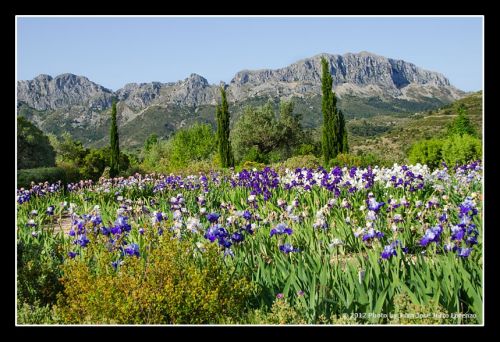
{"x": 398, "y": 245}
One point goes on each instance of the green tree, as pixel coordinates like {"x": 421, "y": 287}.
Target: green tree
{"x": 150, "y": 141}
{"x": 289, "y": 130}
{"x": 94, "y": 163}
{"x": 223, "y": 141}
{"x": 69, "y": 150}
{"x": 330, "y": 139}
{"x": 33, "y": 147}
{"x": 189, "y": 145}
{"x": 462, "y": 124}
{"x": 264, "y": 136}
{"x": 255, "y": 132}
{"x": 114, "y": 143}
{"x": 343, "y": 133}
{"x": 334, "y": 137}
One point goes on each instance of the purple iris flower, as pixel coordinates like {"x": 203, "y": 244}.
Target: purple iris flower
{"x": 122, "y": 223}
{"x": 280, "y": 229}
{"x": 288, "y": 248}
{"x": 247, "y": 215}
{"x": 237, "y": 237}
{"x": 431, "y": 235}
{"x": 464, "y": 252}
{"x": 372, "y": 233}
{"x": 457, "y": 233}
{"x": 213, "y": 217}
{"x": 82, "y": 241}
{"x": 71, "y": 255}
{"x": 132, "y": 249}
{"x": 388, "y": 252}
{"x": 374, "y": 205}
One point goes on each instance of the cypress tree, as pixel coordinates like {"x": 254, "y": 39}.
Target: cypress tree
{"x": 343, "y": 133}
{"x": 223, "y": 142}
{"x": 114, "y": 142}
{"x": 329, "y": 139}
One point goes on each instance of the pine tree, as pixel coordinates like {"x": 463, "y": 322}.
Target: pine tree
{"x": 330, "y": 121}
{"x": 462, "y": 124}
{"x": 115, "y": 144}
{"x": 223, "y": 142}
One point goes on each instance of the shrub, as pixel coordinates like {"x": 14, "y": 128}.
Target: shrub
{"x": 428, "y": 152}
{"x": 94, "y": 163}
{"x": 36, "y": 314}
{"x": 38, "y": 271}
{"x": 281, "y": 313}
{"x": 171, "y": 286}
{"x": 306, "y": 149}
{"x": 249, "y": 165}
{"x": 253, "y": 154}
{"x": 309, "y": 161}
{"x": 203, "y": 166}
{"x": 406, "y": 312}
{"x": 461, "y": 149}
{"x": 40, "y": 175}
{"x": 73, "y": 173}
{"x": 345, "y": 159}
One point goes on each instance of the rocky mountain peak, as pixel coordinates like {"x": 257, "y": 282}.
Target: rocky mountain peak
{"x": 362, "y": 75}
{"x": 197, "y": 81}
{"x": 45, "y": 92}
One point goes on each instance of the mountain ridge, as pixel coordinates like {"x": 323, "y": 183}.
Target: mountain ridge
{"x": 365, "y": 83}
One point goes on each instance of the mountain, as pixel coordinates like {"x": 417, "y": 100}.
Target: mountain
{"x": 366, "y": 85}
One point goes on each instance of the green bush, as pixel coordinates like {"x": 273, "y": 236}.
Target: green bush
{"x": 406, "y": 312}
{"x": 73, "y": 173}
{"x": 94, "y": 163}
{"x": 309, "y": 161}
{"x": 428, "y": 152}
{"x": 461, "y": 149}
{"x": 456, "y": 149}
{"x": 345, "y": 159}
{"x": 40, "y": 175}
{"x": 249, "y": 165}
{"x": 171, "y": 287}
{"x": 38, "y": 272}
{"x": 254, "y": 155}
{"x": 305, "y": 149}
{"x": 36, "y": 314}
{"x": 281, "y": 313}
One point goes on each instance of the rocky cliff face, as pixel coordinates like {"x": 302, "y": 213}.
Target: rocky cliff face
{"x": 362, "y": 74}
{"x": 45, "y": 92}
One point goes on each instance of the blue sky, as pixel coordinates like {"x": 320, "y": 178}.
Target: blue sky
{"x": 114, "y": 51}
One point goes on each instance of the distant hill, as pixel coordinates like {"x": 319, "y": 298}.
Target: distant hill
{"x": 393, "y": 136}
{"x": 367, "y": 85}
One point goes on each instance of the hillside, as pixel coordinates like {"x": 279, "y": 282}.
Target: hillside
{"x": 393, "y": 136}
